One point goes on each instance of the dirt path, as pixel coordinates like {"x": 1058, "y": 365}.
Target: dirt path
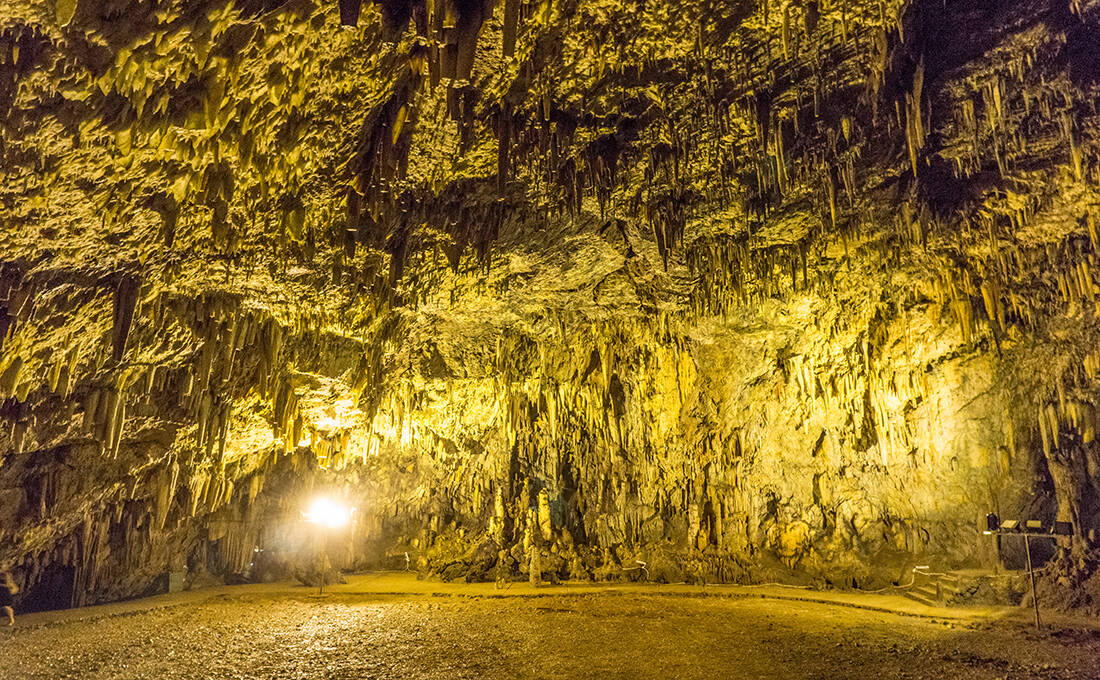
{"x": 424, "y": 631}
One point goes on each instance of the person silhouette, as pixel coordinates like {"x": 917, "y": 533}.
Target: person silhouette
{"x": 7, "y": 602}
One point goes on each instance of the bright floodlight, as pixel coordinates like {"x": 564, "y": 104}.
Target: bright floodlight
{"x": 329, "y": 514}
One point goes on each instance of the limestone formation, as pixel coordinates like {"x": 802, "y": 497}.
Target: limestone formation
{"x": 742, "y": 290}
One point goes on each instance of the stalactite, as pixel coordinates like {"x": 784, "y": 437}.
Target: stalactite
{"x": 125, "y": 302}
{"x": 511, "y": 20}
{"x": 1074, "y": 149}
{"x": 10, "y": 377}
{"x": 914, "y": 126}
{"x": 786, "y": 32}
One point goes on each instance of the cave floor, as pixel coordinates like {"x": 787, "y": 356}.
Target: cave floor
{"x": 395, "y": 626}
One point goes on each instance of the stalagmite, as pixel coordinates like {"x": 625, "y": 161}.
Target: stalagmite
{"x": 545, "y": 527}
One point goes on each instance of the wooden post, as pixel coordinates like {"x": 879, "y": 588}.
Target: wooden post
{"x": 1031, "y": 574}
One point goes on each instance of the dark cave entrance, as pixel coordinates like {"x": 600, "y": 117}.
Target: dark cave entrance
{"x": 52, "y": 590}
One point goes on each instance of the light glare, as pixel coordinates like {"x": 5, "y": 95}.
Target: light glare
{"x": 329, "y": 514}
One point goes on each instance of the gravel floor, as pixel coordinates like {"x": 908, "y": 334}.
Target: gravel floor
{"x": 601, "y": 635}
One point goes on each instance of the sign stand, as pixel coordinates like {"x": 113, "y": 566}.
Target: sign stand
{"x": 1032, "y": 527}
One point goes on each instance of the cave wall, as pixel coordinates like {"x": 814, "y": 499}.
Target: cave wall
{"x": 749, "y": 290}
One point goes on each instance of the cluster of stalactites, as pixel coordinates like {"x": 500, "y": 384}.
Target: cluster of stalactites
{"x": 451, "y": 29}
{"x": 378, "y": 207}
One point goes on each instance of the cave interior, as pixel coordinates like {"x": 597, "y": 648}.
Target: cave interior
{"x": 740, "y": 291}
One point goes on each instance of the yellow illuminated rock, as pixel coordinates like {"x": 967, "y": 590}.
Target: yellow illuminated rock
{"x": 789, "y": 292}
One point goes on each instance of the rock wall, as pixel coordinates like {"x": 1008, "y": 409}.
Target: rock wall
{"x": 740, "y": 290}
